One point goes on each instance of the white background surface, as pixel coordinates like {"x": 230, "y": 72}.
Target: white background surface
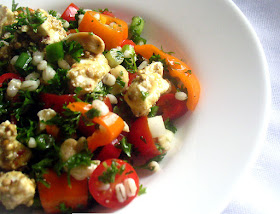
{"x": 259, "y": 191}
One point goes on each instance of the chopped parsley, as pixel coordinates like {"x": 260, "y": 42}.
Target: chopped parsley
{"x": 142, "y": 190}
{"x": 130, "y": 63}
{"x": 90, "y": 114}
{"x": 74, "y": 49}
{"x": 25, "y": 17}
{"x": 80, "y": 159}
{"x": 67, "y": 122}
{"x": 74, "y": 24}
{"x": 125, "y": 146}
{"x": 58, "y": 84}
{"x": 153, "y": 111}
{"x": 157, "y": 158}
{"x": 169, "y": 125}
{"x": 144, "y": 94}
{"x": 64, "y": 209}
{"x": 109, "y": 175}
{"x": 14, "y": 5}
{"x": 120, "y": 82}
{"x": 157, "y": 58}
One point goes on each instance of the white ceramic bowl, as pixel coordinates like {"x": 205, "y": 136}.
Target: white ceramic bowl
{"x": 217, "y": 142}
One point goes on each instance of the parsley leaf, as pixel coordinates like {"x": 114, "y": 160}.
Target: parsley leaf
{"x": 153, "y": 111}
{"x": 157, "y": 158}
{"x": 130, "y": 63}
{"x": 90, "y": 114}
{"x": 74, "y": 24}
{"x": 14, "y": 5}
{"x": 169, "y": 125}
{"x": 80, "y": 159}
{"x": 67, "y": 122}
{"x": 144, "y": 94}
{"x": 157, "y": 58}
{"x": 120, "y": 82}
{"x": 125, "y": 146}
{"x": 58, "y": 84}
{"x": 74, "y": 49}
{"x": 109, "y": 175}
{"x": 64, "y": 209}
{"x": 142, "y": 190}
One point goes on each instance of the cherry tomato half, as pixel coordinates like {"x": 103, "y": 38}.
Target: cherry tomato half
{"x": 115, "y": 173}
{"x": 69, "y": 13}
{"x": 140, "y": 136}
{"x": 170, "y": 107}
{"x": 127, "y": 42}
{"x": 56, "y": 102}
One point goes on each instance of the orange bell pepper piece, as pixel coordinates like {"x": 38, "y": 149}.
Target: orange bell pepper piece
{"x": 110, "y": 29}
{"x": 111, "y": 126}
{"x": 177, "y": 69}
{"x": 52, "y": 130}
{"x": 60, "y": 192}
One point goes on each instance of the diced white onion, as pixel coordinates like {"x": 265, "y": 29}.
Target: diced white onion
{"x": 156, "y": 126}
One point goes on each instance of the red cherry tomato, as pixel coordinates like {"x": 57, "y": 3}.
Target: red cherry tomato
{"x": 8, "y": 76}
{"x": 127, "y": 42}
{"x": 132, "y": 76}
{"x": 108, "y": 103}
{"x": 86, "y": 130}
{"x": 108, "y": 13}
{"x": 110, "y": 150}
{"x": 170, "y": 107}
{"x": 69, "y": 13}
{"x": 56, "y": 102}
{"x": 141, "y": 137}
{"x": 106, "y": 193}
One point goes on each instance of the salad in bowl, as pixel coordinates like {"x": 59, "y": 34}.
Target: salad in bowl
{"x": 85, "y": 102}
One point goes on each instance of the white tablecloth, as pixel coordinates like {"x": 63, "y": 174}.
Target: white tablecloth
{"x": 259, "y": 190}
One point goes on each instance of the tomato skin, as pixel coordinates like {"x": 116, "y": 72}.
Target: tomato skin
{"x": 108, "y": 103}
{"x": 127, "y": 42}
{"x": 170, "y": 107}
{"x": 110, "y": 150}
{"x": 56, "y": 102}
{"x": 132, "y": 76}
{"x": 8, "y": 76}
{"x": 108, "y": 13}
{"x": 85, "y": 129}
{"x": 108, "y": 197}
{"x": 69, "y": 13}
{"x": 141, "y": 137}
